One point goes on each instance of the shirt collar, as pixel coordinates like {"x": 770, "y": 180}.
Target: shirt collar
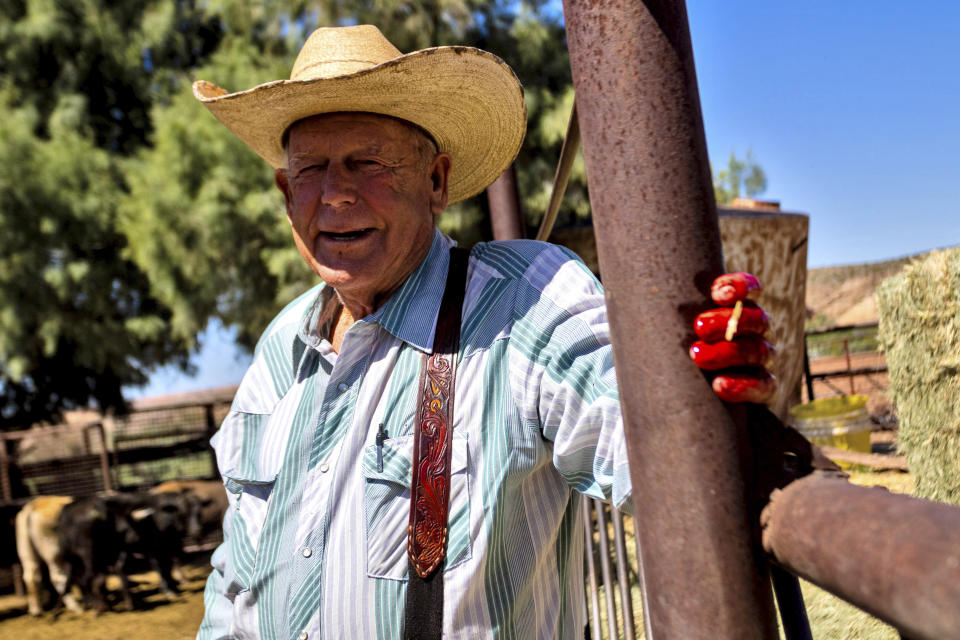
{"x": 411, "y": 312}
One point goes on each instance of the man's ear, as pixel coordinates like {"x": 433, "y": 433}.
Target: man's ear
{"x": 283, "y": 183}
{"x": 439, "y": 179}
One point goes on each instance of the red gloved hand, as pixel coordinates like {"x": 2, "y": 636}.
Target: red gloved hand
{"x": 732, "y": 341}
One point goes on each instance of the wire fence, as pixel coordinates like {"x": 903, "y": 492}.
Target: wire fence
{"x": 131, "y": 452}
{"x": 845, "y": 360}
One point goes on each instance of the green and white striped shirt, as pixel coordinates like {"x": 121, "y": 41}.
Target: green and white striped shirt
{"x": 315, "y": 539}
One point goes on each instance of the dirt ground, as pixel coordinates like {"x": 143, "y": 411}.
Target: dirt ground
{"x": 156, "y": 617}
{"x": 160, "y": 618}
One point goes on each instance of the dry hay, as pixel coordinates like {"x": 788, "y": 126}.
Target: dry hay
{"x": 920, "y": 333}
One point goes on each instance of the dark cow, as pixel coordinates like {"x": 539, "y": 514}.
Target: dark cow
{"x": 207, "y": 496}
{"x": 154, "y": 527}
{"x": 94, "y": 538}
{"x": 8, "y": 544}
{"x": 207, "y": 500}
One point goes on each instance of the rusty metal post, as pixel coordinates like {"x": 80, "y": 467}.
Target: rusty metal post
{"x": 806, "y": 371}
{"x": 605, "y": 570}
{"x": 104, "y": 455}
{"x": 893, "y": 556}
{"x": 591, "y": 569}
{"x": 622, "y": 578}
{"x": 211, "y": 422}
{"x": 846, "y": 352}
{"x": 506, "y": 213}
{"x": 703, "y": 574}
{"x": 6, "y": 490}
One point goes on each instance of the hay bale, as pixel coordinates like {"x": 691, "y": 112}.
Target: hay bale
{"x": 920, "y": 332}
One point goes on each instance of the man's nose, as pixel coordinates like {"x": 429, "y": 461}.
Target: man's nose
{"x": 339, "y": 188}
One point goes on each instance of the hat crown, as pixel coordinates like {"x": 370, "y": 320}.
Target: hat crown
{"x": 338, "y": 51}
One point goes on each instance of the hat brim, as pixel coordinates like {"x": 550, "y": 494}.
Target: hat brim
{"x": 469, "y": 100}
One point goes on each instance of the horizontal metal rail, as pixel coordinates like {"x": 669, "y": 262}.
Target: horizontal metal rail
{"x": 843, "y": 327}
{"x": 876, "y": 461}
{"x": 894, "y": 556}
{"x": 848, "y": 373}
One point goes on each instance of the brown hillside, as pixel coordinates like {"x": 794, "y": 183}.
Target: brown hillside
{"x": 835, "y": 295}
{"x": 845, "y": 295}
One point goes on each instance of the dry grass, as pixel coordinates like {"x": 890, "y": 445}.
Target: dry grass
{"x": 830, "y": 617}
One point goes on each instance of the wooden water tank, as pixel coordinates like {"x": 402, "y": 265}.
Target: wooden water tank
{"x": 771, "y": 244}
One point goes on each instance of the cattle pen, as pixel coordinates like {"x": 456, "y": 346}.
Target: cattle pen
{"x": 159, "y": 439}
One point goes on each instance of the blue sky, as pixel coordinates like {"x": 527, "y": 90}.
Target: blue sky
{"x": 852, "y": 109}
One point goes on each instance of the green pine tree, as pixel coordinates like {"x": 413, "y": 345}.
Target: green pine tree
{"x": 132, "y": 218}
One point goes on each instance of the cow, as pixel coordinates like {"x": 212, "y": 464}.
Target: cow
{"x": 208, "y": 499}
{"x": 81, "y": 540}
{"x": 38, "y": 544}
{"x": 160, "y": 524}
{"x": 208, "y": 496}
{"x": 95, "y": 537}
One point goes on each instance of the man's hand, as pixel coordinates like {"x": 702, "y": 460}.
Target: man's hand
{"x": 732, "y": 341}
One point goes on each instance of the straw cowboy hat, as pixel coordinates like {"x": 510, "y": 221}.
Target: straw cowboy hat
{"x": 469, "y": 100}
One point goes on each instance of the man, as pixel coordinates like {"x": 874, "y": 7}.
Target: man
{"x": 318, "y": 450}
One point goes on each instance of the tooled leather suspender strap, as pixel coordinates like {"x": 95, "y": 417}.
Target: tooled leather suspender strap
{"x": 432, "y": 448}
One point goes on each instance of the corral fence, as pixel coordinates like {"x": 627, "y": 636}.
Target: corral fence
{"x": 851, "y": 353}
{"x": 168, "y": 441}
{"x": 124, "y": 453}
{"x": 156, "y": 441}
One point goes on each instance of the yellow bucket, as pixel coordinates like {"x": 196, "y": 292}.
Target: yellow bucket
{"x": 841, "y": 422}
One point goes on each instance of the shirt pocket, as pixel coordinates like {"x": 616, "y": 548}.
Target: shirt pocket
{"x": 387, "y": 507}
{"x": 251, "y": 498}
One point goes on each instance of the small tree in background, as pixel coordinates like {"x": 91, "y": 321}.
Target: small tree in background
{"x": 740, "y": 177}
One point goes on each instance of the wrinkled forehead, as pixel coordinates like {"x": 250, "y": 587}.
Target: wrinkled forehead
{"x": 421, "y": 139}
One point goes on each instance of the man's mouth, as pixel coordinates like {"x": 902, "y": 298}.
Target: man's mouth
{"x": 344, "y": 236}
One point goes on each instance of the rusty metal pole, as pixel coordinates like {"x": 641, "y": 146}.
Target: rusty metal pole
{"x": 893, "y": 556}
{"x": 605, "y": 570}
{"x": 104, "y": 455}
{"x": 211, "y": 423}
{"x": 506, "y": 214}
{"x": 587, "y": 519}
{"x": 6, "y": 489}
{"x": 702, "y": 572}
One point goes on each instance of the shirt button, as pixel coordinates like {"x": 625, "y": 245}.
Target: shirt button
{"x": 303, "y": 635}
{"x": 342, "y": 386}
{"x": 324, "y": 467}
{"x": 307, "y": 552}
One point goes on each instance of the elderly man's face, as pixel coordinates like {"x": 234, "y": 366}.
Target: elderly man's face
{"x": 361, "y": 194}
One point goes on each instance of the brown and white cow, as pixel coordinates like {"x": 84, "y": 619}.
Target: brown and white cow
{"x": 38, "y": 544}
